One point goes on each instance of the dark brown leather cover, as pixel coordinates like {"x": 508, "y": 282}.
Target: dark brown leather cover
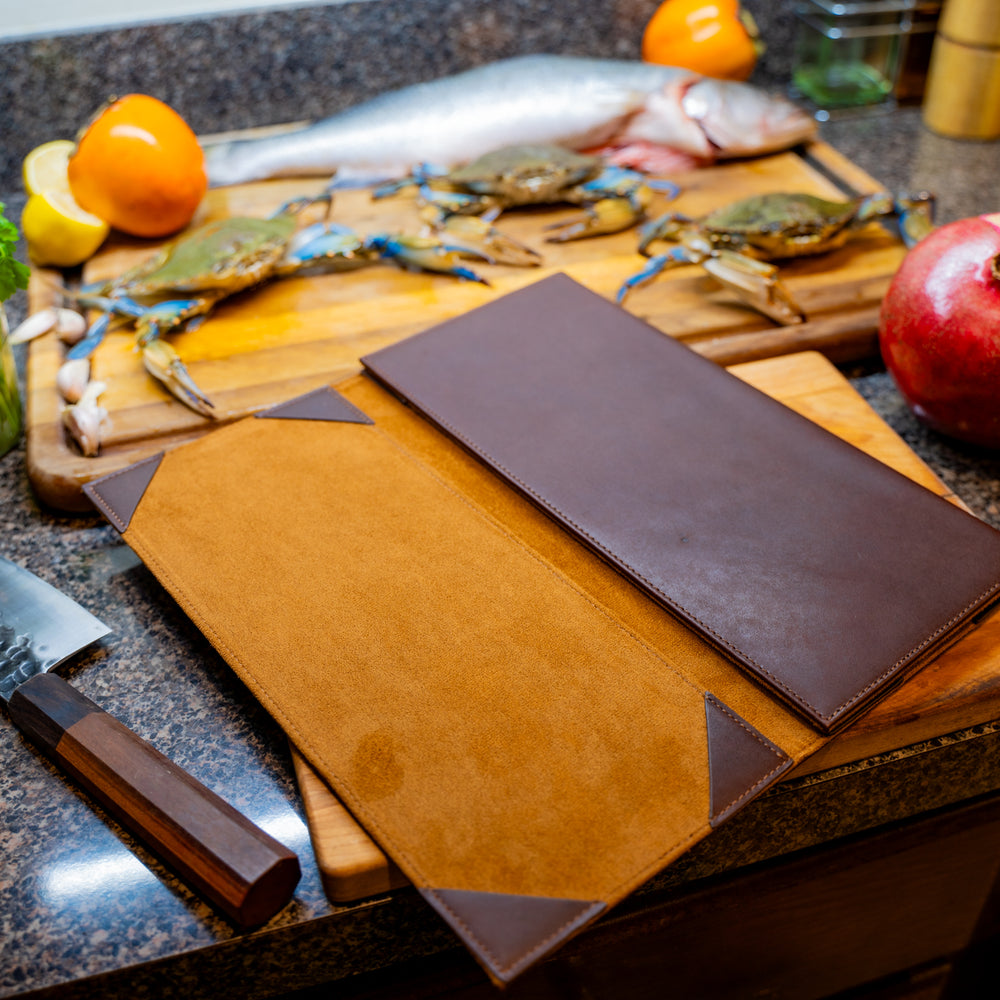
{"x": 825, "y": 574}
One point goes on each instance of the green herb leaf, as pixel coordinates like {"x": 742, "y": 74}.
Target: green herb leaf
{"x": 13, "y": 274}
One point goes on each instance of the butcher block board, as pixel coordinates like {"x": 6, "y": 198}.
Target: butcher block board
{"x": 288, "y": 337}
{"x": 958, "y": 690}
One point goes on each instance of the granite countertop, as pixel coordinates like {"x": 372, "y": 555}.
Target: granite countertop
{"x": 85, "y": 911}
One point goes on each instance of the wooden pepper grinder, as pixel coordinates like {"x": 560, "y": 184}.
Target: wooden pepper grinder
{"x": 963, "y": 81}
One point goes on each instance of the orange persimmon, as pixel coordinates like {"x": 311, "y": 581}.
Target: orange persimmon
{"x": 139, "y": 167}
{"x": 714, "y": 37}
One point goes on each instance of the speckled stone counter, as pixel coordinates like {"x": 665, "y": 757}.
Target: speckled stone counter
{"x": 245, "y": 70}
{"x": 87, "y": 912}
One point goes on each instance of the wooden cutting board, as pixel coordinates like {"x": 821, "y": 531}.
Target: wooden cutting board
{"x": 959, "y": 689}
{"x": 290, "y": 336}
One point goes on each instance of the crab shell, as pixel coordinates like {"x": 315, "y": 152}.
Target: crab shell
{"x": 786, "y": 225}
{"x": 225, "y": 256}
{"x": 526, "y": 175}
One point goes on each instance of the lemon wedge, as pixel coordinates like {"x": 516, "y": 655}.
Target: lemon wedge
{"x": 58, "y": 232}
{"x": 45, "y": 168}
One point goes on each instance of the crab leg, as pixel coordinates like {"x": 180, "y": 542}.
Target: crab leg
{"x": 295, "y": 205}
{"x": 441, "y": 203}
{"x": 421, "y": 174}
{"x": 754, "y": 281}
{"x": 109, "y": 308}
{"x": 674, "y": 257}
{"x": 664, "y": 227}
{"x": 323, "y": 247}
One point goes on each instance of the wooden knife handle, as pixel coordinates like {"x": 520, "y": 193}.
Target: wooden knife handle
{"x": 215, "y": 848}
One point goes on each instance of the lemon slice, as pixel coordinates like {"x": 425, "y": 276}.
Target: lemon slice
{"x": 58, "y": 232}
{"x": 45, "y": 167}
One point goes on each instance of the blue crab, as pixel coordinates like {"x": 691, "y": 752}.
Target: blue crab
{"x": 182, "y": 282}
{"x": 612, "y": 198}
{"x": 737, "y": 242}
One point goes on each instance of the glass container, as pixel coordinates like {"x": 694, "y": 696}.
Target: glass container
{"x": 10, "y": 396}
{"x": 848, "y": 54}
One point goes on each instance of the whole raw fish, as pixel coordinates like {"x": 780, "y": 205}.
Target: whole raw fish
{"x": 640, "y": 109}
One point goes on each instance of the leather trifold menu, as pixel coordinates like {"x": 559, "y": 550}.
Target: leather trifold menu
{"x": 545, "y": 598}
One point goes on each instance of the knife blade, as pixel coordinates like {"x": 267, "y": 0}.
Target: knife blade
{"x": 217, "y": 850}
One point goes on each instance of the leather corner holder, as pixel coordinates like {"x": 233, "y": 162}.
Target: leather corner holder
{"x": 324, "y": 403}
{"x": 118, "y": 494}
{"x": 510, "y": 933}
{"x": 741, "y": 761}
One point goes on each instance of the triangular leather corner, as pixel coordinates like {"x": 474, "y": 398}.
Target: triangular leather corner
{"x": 320, "y": 404}
{"x": 117, "y": 495}
{"x": 508, "y": 933}
{"x": 741, "y": 761}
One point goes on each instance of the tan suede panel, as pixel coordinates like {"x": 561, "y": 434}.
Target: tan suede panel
{"x": 684, "y": 649}
{"x": 488, "y": 720}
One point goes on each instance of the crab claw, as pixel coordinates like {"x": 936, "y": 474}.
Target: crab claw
{"x": 483, "y": 238}
{"x": 757, "y": 283}
{"x": 609, "y": 215}
{"x": 165, "y": 365}
{"x": 754, "y": 281}
{"x": 418, "y": 253}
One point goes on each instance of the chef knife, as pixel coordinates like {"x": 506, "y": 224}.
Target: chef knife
{"x": 234, "y": 864}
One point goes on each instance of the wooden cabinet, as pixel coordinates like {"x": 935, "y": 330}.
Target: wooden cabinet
{"x": 910, "y": 911}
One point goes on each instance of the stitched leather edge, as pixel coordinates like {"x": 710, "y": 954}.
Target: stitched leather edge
{"x": 825, "y": 718}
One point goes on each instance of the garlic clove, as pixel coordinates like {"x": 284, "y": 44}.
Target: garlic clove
{"x": 34, "y": 326}
{"x": 70, "y": 326}
{"x": 87, "y": 421}
{"x": 72, "y": 379}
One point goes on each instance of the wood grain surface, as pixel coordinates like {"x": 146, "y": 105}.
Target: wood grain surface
{"x": 290, "y": 336}
{"x": 959, "y": 689}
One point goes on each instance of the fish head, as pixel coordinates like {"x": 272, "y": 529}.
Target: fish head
{"x": 662, "y": 121}
{"x": 742, "y": 120}
{"x": 711, "y": 119}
